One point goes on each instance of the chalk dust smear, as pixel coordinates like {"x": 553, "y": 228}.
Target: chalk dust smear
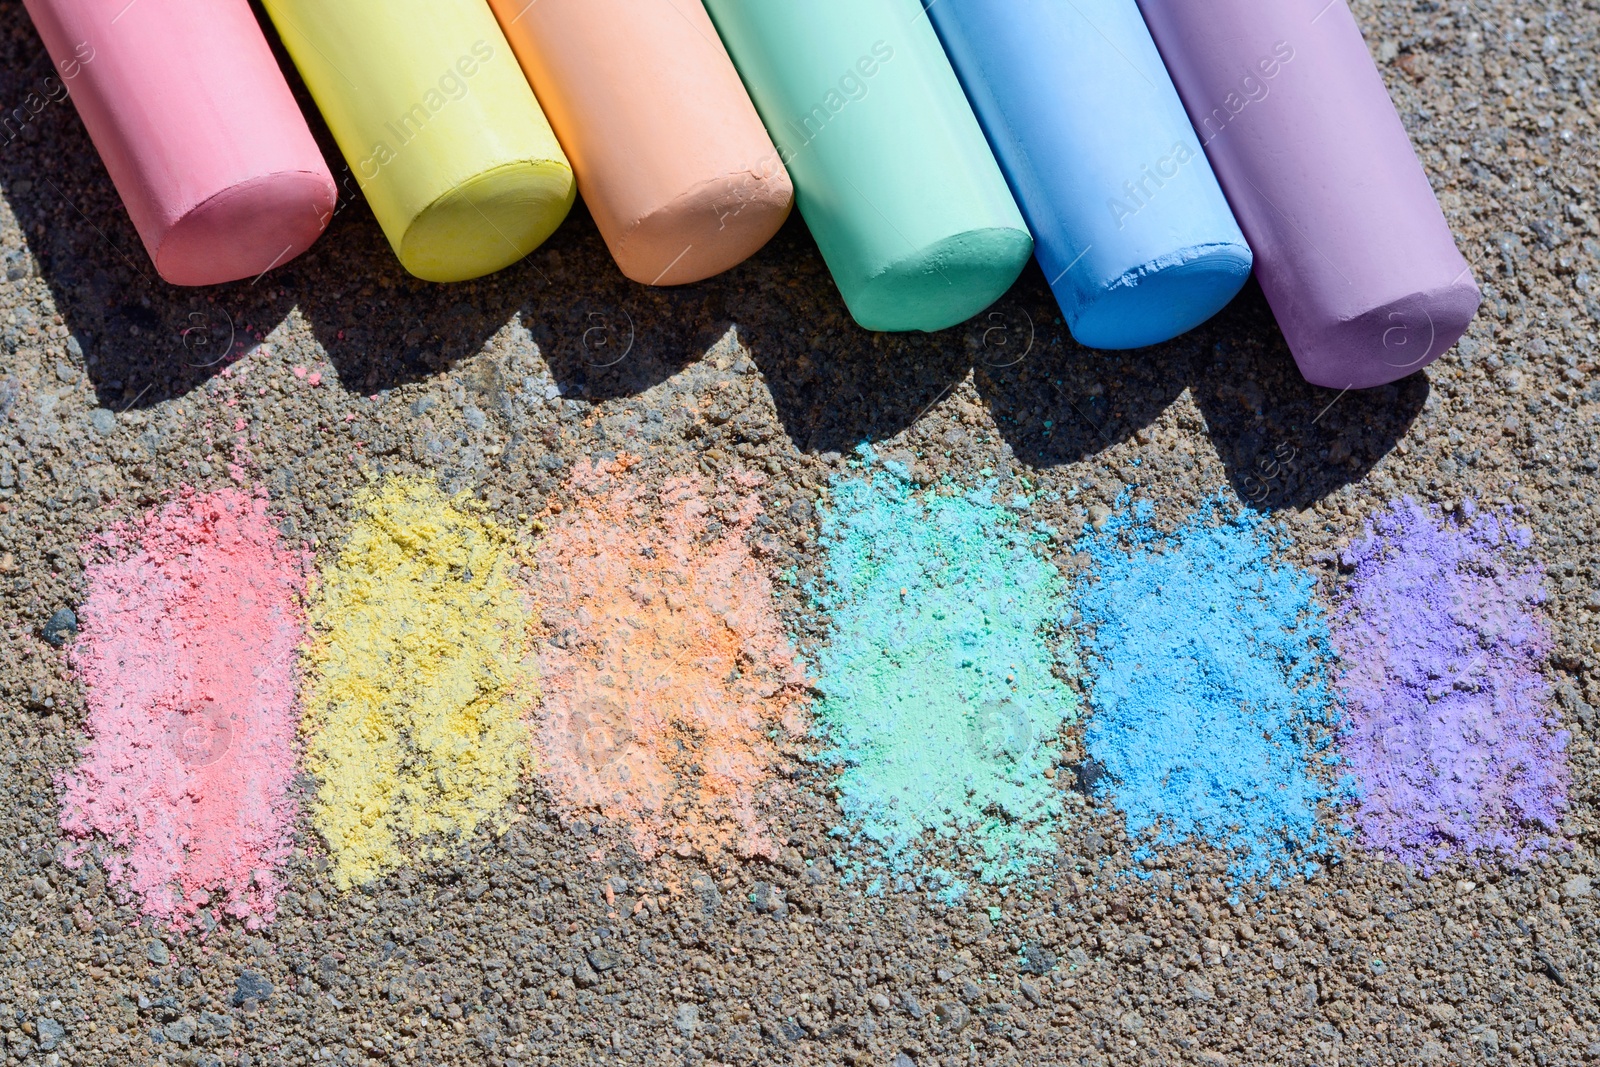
{"x": 187, "y": 655}
{"x": 418, "y": 682}
{"x": 667, "y": 679}
{"x": 943, "y": 697}
{"x": 1450, "y": 734}
{"x": 1209, "y": 699}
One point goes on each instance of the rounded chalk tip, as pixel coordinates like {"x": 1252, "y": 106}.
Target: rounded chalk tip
{"x": 488, "y": 222}
{"x": 709, "y": 229}
{"x": 247, "y": 229}
{"x": 942, "y": 284}
{"x": 1390, "y": 341}
{"x": 1162, "y": 298}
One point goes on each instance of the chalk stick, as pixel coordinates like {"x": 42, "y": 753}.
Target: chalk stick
{"x": 1352, "y": 250}
{"x": 670, "y": 155}
{"x": 1131, "y": 228}
{"x": 891, "y": 170}
{"x": 438, "y": 125}
{"x": 197, "y": 129}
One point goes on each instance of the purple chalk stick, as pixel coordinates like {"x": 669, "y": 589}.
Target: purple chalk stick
{"x": 1351, "y": 248}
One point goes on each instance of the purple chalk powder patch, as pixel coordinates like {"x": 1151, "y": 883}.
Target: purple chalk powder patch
{"x": 1449, "y": 730}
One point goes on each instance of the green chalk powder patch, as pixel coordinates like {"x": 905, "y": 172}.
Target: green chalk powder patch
{"x": 942, "y": 694}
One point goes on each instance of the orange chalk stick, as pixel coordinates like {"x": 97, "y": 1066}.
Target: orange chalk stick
{"x": 670, "y": 155}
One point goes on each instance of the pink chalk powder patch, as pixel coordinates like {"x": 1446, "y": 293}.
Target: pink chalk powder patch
{"x": 187, "y": 655}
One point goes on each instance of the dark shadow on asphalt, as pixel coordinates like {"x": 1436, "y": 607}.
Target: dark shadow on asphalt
{"x": 1283, "y": 442}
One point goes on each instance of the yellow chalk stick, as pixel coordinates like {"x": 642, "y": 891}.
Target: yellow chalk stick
{"x": 438, "y": 125}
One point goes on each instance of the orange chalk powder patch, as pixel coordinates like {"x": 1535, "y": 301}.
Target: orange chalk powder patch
{"x": 667, "y": 677}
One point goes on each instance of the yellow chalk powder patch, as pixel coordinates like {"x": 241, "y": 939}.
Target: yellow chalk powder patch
{"x": 417, "y": 688}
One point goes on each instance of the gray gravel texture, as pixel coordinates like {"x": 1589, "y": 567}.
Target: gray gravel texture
{"x": 511, "y": 954}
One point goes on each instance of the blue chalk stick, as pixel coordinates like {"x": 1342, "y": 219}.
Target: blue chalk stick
{"x": 1132, "y": 230}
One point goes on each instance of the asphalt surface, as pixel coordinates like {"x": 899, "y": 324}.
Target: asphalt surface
{"x": 516, "y": 952}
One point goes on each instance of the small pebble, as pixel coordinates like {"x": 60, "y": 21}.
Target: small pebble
{"x": 60, "y": 626}
{"x": 251, "y": 987}
{"x": 50, "y": 1033}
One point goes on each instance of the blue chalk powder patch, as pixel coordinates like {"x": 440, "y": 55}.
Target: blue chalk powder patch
{"x": 1209, "y": 702}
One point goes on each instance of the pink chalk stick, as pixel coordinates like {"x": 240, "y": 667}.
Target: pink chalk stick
{"x": 1351, "y": 248}
{"x": 197, "y": 128}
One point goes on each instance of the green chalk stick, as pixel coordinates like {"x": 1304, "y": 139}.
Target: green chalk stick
{"x": 891, "y": 170}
